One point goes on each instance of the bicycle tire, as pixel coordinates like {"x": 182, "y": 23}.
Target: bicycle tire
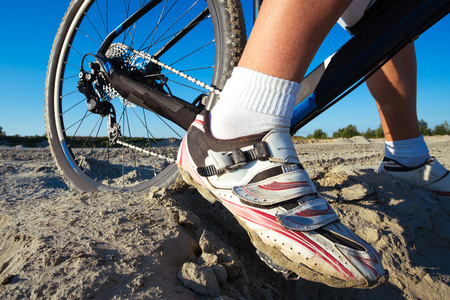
{"x": 64, "y": 104}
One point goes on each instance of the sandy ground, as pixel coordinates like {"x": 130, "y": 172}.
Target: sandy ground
{"x": 172, "y": 244}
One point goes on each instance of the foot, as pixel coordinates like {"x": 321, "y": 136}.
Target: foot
{"x": 431, "y": 176}
{"x": 261, "y": 181}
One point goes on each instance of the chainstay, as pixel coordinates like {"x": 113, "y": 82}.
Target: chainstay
{"x": 148, "y": 57}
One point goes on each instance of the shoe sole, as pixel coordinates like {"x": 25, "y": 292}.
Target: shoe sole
{"x": 277, "y": 256}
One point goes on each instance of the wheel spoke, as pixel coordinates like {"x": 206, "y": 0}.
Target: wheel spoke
{"x": 155, "y": 29}
{"x": 149, "y": 142}
{"x": 146, "y": 142}
{"x": 178, "y": 36}
{"x": 191, "y": 53}
{"x": 90, "y": 134}
{"x": 89, "y": 37}
{"x": 80, "y": 121}
{"x": 67, "y": 110}
{"x": 132, "y": 150}
{"x": 105, "y": 26}
{"x": 70, "y": 77}
{"x": 167, "y": 124}
{"x": 176, "y": 22}
{"x": 184, "y": 71}
{"x": 185, "y": 85}
{"x": 70, "y": 93}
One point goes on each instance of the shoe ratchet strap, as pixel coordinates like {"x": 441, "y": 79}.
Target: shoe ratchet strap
{"x": 224, "y": 161}
{"x": 308, "y": 216}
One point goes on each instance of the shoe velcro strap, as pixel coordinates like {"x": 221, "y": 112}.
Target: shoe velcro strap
{"x": 223, "y": 161}
{"x": 277, "y": 190}
{"x": 308, "y": 216}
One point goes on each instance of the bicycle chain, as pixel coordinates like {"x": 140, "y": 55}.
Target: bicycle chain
{"x": 148, "y": 57}
{"x": 166, "y": 158}
{"x": 114, "y": 138}
{"x": 121, "y": 50}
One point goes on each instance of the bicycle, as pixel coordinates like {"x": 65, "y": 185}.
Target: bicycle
{"x": 155, "y": 75}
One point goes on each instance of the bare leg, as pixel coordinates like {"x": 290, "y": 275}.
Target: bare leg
{"x": 394, "y": 88}
{"x": 261, "y": 93}
{"x": 287, "y": 35}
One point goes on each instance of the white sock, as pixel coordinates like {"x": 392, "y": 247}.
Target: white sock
{"x": 410, "y": 153}
{"x": 251, "y": 103}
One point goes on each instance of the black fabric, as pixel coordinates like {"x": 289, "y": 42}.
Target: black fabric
{"x": 199, "y": 143}
{"x": 338, "y": 239}
{"x": 400, "y": 167}
{"x": 372, "y": 13}
{"x": 267, "y": 174}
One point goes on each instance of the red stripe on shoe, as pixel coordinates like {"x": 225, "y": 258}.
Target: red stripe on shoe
{"x": 277, "y": 186}
{"x": 268, "y": 221}
{"x": 316, "y": 212}
{"x": 182, "y": 149}
{"x": 366, "y": 262}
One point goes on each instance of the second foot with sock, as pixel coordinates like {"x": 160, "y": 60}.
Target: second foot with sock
{"x": 430, "y": 176}
{"x": 409, "y": 161}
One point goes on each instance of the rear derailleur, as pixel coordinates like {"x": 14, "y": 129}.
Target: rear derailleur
{"x": 94, "y": 101}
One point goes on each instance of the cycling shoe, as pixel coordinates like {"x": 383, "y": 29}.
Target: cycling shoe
{"x": 260, "y": 180}
{"x": 431, "y": 176}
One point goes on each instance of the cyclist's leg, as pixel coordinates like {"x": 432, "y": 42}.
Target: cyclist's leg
{"x": 250, "y": 164}
{"x": 287, "y": 35}
{"x": 394, "y": 88}
{"x": 280, "y": 48}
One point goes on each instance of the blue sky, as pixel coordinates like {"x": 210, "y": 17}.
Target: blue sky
{"x": 29, "y": 28}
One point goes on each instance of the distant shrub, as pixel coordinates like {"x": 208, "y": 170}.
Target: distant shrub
{"x": 14, "y": 140}
{"x": 319, "y": 134}
{"x": 443, "y": 129}
{"x": 347, "y": 132}
{"x": 424, "y": 128}
{"x": 370, "y": 133}
{"x": 374, "y": 133}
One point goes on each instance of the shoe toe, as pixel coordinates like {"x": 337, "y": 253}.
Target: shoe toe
{"x": 440, "y": 187}
{"x": 360, "y": 259}
{"x": 366, "y": 264}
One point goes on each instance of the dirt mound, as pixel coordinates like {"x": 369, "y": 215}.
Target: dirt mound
{"x": 173, "y": 244}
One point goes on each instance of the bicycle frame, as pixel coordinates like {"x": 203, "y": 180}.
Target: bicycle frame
{"x": 364, "y": 54}
{"x": 401, "y": 23}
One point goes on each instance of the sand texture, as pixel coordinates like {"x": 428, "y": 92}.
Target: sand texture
{"x": 173, "y": 244}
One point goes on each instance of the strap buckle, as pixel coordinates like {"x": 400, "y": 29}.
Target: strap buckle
{"x": 220, "y": 162}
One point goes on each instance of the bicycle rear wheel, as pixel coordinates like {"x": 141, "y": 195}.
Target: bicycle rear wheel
{"x": 79, "y": 138}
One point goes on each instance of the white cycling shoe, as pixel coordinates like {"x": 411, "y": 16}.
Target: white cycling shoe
{"x": 261, "y": 181}
{"x": 431, "y": 176}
